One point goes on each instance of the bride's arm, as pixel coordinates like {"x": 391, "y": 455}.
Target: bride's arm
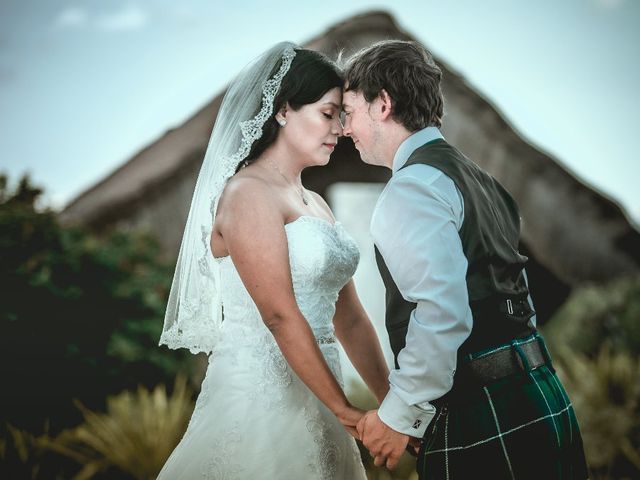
{"x": 252, "y": 228}
{"x": 360, "y": 341}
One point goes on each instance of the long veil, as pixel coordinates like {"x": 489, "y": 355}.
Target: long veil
{"x": 194, "y": 310}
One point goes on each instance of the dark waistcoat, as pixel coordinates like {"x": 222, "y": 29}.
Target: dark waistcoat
{"x": 490, "y": 235}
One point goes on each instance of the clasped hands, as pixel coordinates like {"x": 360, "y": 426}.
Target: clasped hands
{"x": 384, "y": 444}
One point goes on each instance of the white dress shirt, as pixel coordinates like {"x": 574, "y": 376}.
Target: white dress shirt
{"x": 415, "y": 227}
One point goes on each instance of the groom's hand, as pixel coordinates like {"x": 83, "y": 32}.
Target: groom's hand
{"x": 384, "y": 444}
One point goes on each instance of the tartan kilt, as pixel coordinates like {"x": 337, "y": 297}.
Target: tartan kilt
{"x": 519, "y": 427}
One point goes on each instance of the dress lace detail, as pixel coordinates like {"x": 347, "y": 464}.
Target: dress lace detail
{"x": 193, "y": 316}
{"x": 222, "y": 462}
{"x": 251, "y": 397}
{"x": 274, "y": 376}
{"x": 252, "y": 129}
{"x": 325, "y": 460}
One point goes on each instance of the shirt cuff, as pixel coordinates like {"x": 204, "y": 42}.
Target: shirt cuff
{"x": 408, "y": 419}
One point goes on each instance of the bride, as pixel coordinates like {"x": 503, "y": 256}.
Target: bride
{"x": 263, "y": 283}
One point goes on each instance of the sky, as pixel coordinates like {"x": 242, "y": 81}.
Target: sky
{"x": 86, "y": 84}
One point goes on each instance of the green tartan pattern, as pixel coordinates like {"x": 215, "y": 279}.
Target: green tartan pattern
{"x": 519, "y": 427}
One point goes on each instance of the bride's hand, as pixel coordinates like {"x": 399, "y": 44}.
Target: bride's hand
{"x": 349, "y": 416}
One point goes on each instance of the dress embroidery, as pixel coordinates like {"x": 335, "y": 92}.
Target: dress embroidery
{"x": 325, "y": 460}
{"x": 222, "y": 461}
{"x": 254, "y": 415}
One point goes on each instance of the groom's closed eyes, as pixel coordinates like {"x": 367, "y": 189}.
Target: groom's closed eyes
{"x": 344, "y": 113}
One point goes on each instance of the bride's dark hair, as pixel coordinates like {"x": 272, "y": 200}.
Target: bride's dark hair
{"x": 311, "y": 75}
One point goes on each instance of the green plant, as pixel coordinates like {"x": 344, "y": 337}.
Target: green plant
{"x": 595, "y": 342}
{"x": 605, "y": 392}
{"x": 595, "y": 313}
{"x": 20, "y": 457}
{"x": 136, "y": 434}
{"x": 80, "y": 315}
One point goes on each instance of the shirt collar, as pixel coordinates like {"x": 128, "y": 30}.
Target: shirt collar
{"x": 413, "y": 142}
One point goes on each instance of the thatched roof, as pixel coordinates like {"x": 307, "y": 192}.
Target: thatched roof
{"x": 574, "y": 233}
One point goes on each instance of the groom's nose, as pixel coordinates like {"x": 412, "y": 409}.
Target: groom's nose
{"x": 346, "y": 128}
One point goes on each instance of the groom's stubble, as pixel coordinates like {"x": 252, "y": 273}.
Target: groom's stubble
{"x": 373, "y": 155}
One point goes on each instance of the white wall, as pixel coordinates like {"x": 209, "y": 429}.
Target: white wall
{"x": 352, "y": 204}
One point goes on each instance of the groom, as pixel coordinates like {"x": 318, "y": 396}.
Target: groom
{"x": 473, "y": 392}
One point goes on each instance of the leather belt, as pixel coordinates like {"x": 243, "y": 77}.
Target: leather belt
{"x": 506, "y": 360}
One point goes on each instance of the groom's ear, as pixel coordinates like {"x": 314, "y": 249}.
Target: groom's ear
{"x": 386, "y": 104}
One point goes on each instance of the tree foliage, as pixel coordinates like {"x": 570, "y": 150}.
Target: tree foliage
{"x": 80, "y": 315}
{"x": 595, "y": 339}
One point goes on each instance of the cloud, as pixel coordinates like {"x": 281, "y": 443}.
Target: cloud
{"x": 129, "y": 17}
{"x": 72, "y": 17}
{"x": 184, "y": 14}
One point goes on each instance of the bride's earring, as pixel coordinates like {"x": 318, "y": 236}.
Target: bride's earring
{"x": 281, "y": 121}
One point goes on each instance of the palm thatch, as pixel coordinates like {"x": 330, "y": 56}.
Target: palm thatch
{"x": 572, "y": 233}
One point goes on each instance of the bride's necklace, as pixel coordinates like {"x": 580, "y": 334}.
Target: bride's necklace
{"x": 302, "y": 194}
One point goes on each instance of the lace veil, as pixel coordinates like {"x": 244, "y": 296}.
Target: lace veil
{"x": 194, "y": 311}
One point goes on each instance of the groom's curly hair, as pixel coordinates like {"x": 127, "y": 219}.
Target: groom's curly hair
{"x": 407, "y": 71}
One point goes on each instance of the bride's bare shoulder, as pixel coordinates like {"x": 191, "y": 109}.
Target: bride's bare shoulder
{"x": 246, "y": 189}
{"x": 245, "y": 181}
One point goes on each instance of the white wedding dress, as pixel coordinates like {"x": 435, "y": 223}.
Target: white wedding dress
{"x": 254, "y": 418}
